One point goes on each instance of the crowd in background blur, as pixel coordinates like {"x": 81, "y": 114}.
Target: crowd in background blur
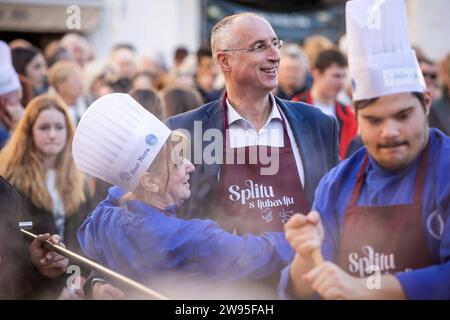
{"x": 60, "y": 81}
{"x": 68, "y": 68}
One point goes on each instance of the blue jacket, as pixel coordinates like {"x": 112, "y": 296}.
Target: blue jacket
{"x": 387, "y": 188}
{"x": 316, "y": 135}
{"x": 4, "y": 136}
{"x": 145, "y": 244}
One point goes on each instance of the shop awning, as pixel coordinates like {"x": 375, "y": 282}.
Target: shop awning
{"x": 50, "y": 16}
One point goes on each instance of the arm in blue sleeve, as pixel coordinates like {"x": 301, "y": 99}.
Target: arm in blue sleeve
{"x": 432, "y": 282}
{"x": 427, "y": 283}
{"x": 325, "y": 204}
{"x": 4, "y": 136}
{"x": 202, "y": 248}
{"x": 248, "y": 256}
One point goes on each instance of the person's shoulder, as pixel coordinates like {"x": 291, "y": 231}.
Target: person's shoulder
{"x": 6, "y": 187}
{"x": 298, "y": 106}
{"x": 10, "y": 200}
{"x": 441, "y": 150}
{"x": 186, "y": 118}
{"x": 440, "y": 139}
{"x": 111, "y": 204}
{"x": 441, "y": 103}
{"x": 306, "y": 111}
{"x": 439, "y": 167}
{"x": 346, "y": 168}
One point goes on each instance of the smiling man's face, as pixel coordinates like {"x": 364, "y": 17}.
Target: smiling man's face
{"x": 254, "y": 70}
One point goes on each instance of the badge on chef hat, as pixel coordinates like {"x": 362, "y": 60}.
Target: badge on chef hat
{"x": 381, "y": 61}
{"x": 117, "y": 140}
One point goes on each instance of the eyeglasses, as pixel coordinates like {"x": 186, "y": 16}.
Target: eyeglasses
{"x": 259, "y": 47}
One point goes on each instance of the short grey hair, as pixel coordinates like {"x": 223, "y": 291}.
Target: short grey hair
{"x": 220, "y": 34}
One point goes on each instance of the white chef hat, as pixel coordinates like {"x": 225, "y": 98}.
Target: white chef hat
{"x": 117, "y": 140}
{"x": 381, "y": 61}
{"x": 9, "y": 80}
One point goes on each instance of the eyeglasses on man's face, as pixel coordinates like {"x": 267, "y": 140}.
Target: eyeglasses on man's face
{"x": 259, "y": 47}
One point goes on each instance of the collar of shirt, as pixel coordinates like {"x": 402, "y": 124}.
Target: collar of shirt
{"x": 327, "y": 109}
{"x": 58, "y": 205}
{"x": 243, "y": 133}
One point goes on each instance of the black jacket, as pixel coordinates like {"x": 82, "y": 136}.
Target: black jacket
{"x": 43, "y": 222}
{"x": 439, "y": 116}
{"x": 19, "y": 279}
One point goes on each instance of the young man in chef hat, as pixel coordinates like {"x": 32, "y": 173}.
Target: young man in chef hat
{"x": 380, "y": 218}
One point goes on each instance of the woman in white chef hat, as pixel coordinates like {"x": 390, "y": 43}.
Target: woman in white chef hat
{"x": 135, "y": 230}
{"x": 380, "y": 218}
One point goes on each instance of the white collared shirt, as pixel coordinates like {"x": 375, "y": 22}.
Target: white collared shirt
{"x": 58, "y": 205}
{"x": 244, "y": 134}
{"x": 327, "y": 109}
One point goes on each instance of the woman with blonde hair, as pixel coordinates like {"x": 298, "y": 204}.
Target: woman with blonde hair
{"x": 38, "y": 162}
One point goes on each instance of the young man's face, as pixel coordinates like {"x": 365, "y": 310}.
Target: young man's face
{"x": 206, "y": 72}
{"x": 394, "y": 129}
{"x": 330, "y": 81}
{"x": 207, "y": 67}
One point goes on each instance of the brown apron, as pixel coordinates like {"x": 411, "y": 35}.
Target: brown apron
{"x": 387, "y": 239}
{"x": 259, "y": 203}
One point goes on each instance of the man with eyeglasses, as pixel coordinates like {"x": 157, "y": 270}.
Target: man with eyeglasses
{"x": 242, "y": 196}
{"x": 300, "y": 141}
{"x": 274, "y": 151}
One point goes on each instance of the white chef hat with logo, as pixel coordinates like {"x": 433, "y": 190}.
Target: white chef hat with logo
{"x": 9, "y": 80}
{"x": 117, "y": 140}
{"x": 380, "y": 58}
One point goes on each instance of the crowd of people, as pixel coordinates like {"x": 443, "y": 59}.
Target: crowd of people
{"x": 233, "y": 167}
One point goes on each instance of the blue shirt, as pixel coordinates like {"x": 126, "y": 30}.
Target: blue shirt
{"x": 4, "y": 136}
{"x": 383, "y": 187}
{"x": 145, "y": 243}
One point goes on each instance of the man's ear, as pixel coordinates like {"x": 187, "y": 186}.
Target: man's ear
{"x": 149, "y": 183}
{"x": 222, "y": 59}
